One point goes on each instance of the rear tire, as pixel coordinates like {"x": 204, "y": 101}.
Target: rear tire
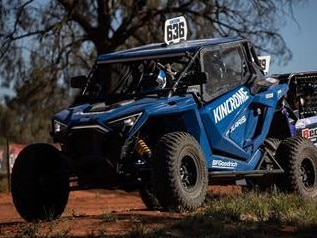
{"x": 149, "y": 199}
{"x": 298, "y": 157}
{"x": 267, "y": 183}
{"x": 180, "y": 172}
{"x": 39, "y": 183}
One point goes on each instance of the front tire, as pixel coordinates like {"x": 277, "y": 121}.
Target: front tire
{"x": 39, "y": 183}
{"x": 180, "y": 173}
{"x": 298, "y": 157}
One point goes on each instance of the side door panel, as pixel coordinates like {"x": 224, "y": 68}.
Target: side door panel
{"x": 227, "y": 121}
{"x": 238, "y": 122}
{"x": 233, "y": 116}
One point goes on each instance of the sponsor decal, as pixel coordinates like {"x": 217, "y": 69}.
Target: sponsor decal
{"x": 230, "y": 105}
{"x": 224, "y": 164}
{"x": 238, "y": 123}
{"x": 309, "y": 133}
{"x": 269, "y": 95}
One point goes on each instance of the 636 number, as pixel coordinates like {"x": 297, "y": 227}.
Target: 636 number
{"x": 176, "y": 31}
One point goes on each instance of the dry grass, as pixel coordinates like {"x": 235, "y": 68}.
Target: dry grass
{"x": 250, "y": 214}
{"x": 3, "y": 184}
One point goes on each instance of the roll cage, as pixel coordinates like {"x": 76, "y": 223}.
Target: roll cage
{"x": 195, "y": 71}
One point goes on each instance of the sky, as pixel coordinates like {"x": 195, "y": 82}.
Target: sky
{"x": 301, "y": 39}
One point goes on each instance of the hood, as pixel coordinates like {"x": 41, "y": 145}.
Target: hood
{"x": 99, "y": 113}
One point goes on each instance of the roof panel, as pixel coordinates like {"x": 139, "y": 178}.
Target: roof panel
{"x": 159, "y": 50}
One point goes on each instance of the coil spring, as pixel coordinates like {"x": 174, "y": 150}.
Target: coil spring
{"x": 142, "y": 149}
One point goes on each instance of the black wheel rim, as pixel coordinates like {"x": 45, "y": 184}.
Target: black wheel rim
{"x": 307, "y": 174}
{"x": 188, "y": 172}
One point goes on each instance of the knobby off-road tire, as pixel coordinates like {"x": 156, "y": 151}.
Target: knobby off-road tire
{"x": 39, "y": 183}
{"x": 180, "y": 176}
{"x": 267, "y": 183}
{"x": 272, "y": 144}
{"x": 149, "y": 198}
{"x": 298, "y": 157}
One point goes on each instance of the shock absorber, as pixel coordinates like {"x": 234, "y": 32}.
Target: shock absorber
{"x": 142, "y": 149}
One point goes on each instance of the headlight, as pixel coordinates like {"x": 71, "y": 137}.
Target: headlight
{"x": 124, "y": 124}
{"x": 58, "y": 127}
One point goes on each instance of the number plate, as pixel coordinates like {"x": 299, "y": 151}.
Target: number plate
{"x": 265, "y": 62}
{"x": 175, "y": 30}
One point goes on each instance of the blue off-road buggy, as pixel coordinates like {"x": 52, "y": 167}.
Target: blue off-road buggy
{"x": 168, "y": 119}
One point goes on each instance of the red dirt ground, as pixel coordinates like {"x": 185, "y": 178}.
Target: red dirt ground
{"x": 97, "y": 213}
{"x": 88, "y": 213}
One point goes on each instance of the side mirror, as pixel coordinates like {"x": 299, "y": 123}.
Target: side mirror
{"x": 78, "y": 81}
{"x": 196, "y": 78}
{"x": 202, "y": 77}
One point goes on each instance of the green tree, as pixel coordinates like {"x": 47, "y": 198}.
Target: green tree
{"x": 36, "y": 100}
{"x": 43, "y": 43}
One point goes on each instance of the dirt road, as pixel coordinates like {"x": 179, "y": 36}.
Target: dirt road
{"x": 106, "y": 213}
{"x": 88, "y": 213}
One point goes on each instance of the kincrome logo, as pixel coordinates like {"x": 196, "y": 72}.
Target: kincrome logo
{"x": 224, "y": 164}
{"x": 231, "y": 104}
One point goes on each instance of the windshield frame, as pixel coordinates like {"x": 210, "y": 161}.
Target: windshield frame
{"x": 174, "y": 67}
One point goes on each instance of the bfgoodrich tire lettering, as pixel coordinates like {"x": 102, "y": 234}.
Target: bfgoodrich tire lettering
{"x": 180, "y": 172}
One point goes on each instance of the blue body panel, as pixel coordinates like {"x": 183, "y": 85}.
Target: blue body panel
{"x": 230, "y": 128}
{"x": 185, "y": 106}
{"x": 224, "y": 128}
